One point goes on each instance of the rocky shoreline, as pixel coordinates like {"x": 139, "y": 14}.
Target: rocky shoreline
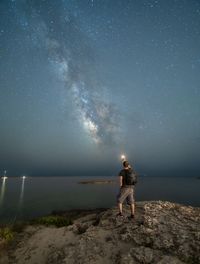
{"x": 162, "y": 233}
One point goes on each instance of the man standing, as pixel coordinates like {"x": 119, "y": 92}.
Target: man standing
{"x": 127, "y": 180}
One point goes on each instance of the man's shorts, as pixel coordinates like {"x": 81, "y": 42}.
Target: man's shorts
{"x": 126, "y": 192}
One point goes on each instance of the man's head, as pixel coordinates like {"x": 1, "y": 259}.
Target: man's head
{"x": 125, "y": 164}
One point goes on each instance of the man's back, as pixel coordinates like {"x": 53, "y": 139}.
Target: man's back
{"x": 128, "y": 176}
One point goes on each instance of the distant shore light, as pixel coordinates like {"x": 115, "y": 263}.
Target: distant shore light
{"x": 4, "y": 177}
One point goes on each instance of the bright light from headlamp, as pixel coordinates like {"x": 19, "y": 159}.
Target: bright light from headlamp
{"x": 123, "y": 157}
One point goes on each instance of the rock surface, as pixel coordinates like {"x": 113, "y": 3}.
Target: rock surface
{"x": 161, "y": 233}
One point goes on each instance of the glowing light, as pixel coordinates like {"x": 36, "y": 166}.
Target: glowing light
{"x": 23, "y": 177}
{"x": 123, "y": 157}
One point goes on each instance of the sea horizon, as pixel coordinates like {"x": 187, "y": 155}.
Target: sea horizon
{"x": 63, "y": 176}
{"x": 26, "y": 198}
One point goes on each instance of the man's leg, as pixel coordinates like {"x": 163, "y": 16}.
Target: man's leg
{"x": 120, "y": 207}
{"x": 131, "y": 201}
{"x": 132, "y": 206}
{"x": 121, "y": 198}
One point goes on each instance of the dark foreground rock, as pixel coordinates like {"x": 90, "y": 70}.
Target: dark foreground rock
{"x": 162, "y": 233}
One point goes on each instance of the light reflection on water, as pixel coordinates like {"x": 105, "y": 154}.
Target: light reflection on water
{"x": 3, "y": 187}
{"x": 22, "y": 198}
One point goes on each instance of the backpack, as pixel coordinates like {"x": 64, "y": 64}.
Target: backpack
{"x": 130, "y": 177}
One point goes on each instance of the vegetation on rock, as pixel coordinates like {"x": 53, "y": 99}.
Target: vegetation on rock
{"x": 55, "y": 220}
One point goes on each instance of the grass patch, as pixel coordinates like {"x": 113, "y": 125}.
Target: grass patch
{"x": 6, "y": 235}
{"x": 8, "y": 232}
{"x": 55, "y": 220}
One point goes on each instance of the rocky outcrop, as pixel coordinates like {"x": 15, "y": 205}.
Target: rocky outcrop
{"x": 161, "y": 233}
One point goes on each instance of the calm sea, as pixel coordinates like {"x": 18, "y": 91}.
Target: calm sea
{"x": 22, "y": 199}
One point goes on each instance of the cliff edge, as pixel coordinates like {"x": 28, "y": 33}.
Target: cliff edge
{"x": 162, "y": 233}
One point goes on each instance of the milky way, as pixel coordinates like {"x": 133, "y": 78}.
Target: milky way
{"x": 73, "y": 60}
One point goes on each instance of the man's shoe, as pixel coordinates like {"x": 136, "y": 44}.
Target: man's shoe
{"x": 120, "y": 215}
{"x": 131, "y": 217}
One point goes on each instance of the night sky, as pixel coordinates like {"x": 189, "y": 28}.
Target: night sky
{"x": 82, "y": 82}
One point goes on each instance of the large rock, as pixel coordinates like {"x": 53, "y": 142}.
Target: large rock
{"x": 162, "y": 233}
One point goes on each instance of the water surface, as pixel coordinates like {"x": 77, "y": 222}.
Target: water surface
{"x": 36, "y": 196}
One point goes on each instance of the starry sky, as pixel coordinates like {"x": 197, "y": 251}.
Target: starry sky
{"x": 83, "y": 81}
